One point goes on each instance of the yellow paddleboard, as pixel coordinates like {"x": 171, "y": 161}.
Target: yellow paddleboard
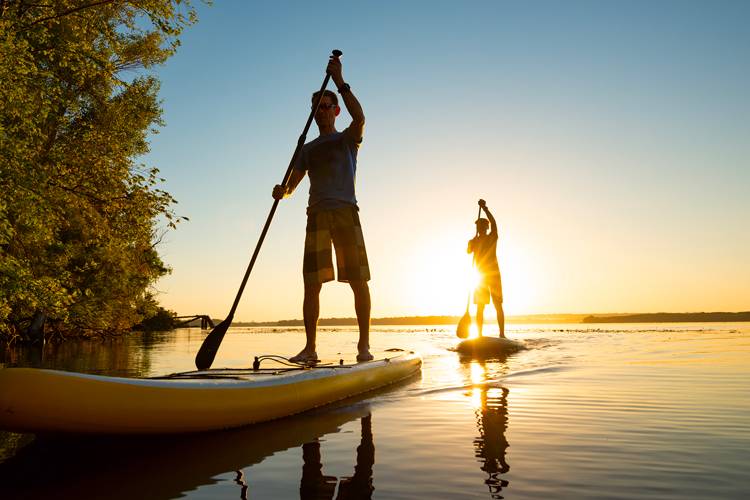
{"x": 51, "y": 401}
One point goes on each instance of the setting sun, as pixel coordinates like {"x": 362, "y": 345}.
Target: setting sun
{"x": 438, "y": 275}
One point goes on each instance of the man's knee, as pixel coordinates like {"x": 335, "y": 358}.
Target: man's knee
{"x": 498, "y": 306}
{"x": 359, "y": 287}
{"x": 312, "y": 289}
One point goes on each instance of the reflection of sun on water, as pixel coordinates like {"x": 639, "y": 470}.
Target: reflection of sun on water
{"x": 478, "y": 376}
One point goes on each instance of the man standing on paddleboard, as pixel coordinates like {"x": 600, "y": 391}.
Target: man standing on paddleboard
{"x": 484, "y": 247}
{"x": 332, "y": 213}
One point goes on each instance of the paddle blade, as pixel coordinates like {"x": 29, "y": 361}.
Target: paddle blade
{"x": 462, "y": 330}
{"x": 210, "y": 346}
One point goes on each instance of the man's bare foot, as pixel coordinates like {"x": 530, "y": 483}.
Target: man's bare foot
{"x": 305, "y": 357}
{"x": 365, "y": 356}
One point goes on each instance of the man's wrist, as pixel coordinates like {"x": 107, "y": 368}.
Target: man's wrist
{"x": 344, "y": 88}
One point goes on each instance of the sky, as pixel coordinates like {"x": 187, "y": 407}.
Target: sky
{"x": 609, "y": 139}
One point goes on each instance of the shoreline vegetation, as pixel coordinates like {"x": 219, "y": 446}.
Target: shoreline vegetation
{"x": 699, "y": 317}
{"x": 81, "y": 212}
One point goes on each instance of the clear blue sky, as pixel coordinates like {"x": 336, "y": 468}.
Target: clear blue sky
{"x": 611, "y": 139}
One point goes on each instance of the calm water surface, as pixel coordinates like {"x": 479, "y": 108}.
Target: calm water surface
{"x": 605, "y": 411}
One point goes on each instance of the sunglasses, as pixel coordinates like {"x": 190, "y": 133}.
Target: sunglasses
{"x": 324, "y": 107}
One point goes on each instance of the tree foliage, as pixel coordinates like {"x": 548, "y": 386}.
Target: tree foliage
{"x": 79, "y": 215}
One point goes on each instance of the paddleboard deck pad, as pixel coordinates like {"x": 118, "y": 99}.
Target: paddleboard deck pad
{"x": 488, "y": 347}
{"x": 51, "y": 401}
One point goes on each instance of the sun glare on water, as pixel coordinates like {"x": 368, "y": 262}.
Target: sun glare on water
{"x": 478, "y": 377}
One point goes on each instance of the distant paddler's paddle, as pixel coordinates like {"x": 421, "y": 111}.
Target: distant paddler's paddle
{"x": 207, "y": 352}
{"x": 462, "y": 330}
{"x": 464, "y": 324}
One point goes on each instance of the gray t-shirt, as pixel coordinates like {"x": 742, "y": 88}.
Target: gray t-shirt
{"x": 331, "y": 163}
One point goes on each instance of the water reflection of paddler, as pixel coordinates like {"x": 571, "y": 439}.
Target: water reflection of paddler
{"x": 316, "y": 485}
{"x": 491, "y": 446}
{"x": 484, "y": 248}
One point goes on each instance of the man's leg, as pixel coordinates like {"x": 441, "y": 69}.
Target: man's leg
{"x": 500, "y": 317}
{"x": 310, "y": 312}
{"x": 480, "y": 318}
{"x": 362, "y": 307}
{"x": 496, "y": 291}
{"x": 352, "y": 265}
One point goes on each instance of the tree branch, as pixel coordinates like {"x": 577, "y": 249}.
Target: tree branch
{"x": 70, "y": 11}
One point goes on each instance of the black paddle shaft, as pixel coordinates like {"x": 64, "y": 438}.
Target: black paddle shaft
{"x": 473, "y": 259}
{"x": 211, "y": 343}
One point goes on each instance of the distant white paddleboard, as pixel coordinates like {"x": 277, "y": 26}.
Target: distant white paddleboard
{"x": 489, "y": 347}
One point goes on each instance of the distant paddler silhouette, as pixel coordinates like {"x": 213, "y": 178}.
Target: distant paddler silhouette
{"x": 484, "y": 249}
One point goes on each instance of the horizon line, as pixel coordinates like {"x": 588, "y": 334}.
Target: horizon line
{"x": 541, "y": 317}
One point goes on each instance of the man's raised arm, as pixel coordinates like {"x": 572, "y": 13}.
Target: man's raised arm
{"x": 493, "y": 224}
{"x": 357, "y": 128}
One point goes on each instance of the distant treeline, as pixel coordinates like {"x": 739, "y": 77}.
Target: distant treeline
{"x": 701, "y": 317}
{"x": 405, "y": 320}
{"x": 530, "y": 319}
{"x": 419, "y": 320}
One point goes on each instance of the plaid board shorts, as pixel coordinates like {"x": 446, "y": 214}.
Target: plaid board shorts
{"x": 491, "y": 284}
{"x": 341, "y": 227}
